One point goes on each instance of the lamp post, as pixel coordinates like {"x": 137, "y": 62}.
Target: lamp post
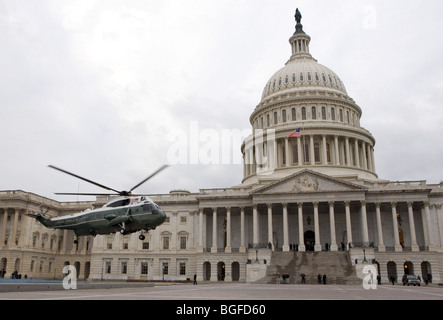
{"x": 364, "y": 253}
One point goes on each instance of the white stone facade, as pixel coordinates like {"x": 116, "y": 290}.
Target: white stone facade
{"x": 314, "y": 192}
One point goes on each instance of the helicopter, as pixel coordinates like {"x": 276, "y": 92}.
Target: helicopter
{"x": 126, "y": 213}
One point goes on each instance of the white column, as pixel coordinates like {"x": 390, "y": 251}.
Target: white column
{"x": 348, "y": 223}
{"x": 228, "y": 230}
{"x": 285, "y": 228}
{"x": 200, "y": 231}
{"x": 311, "y": 150}
{"x": 5, "y": 221}
{"x": 414, "y": 246}
{"x": 356, "y": 156}
{"x": 301, "y": 236}
{"x": 348, "y": 153}
{"x": 300, "y": 154}
{"x": 14, "y": 228}
{"x": 325, "y": 152}
{"x": 254, "y": 225}
{"x": 270, "y": 228}
{"x": 317, "y": 246}
{"x": 395, "y": 226}
{"x": 333, "y": 245}
{"x": 242, "y": 229}
{"x": 365, "y": 161}
{"x": 287, "y": 153}
{"x": 337, "y": 151}
{"x": 381, "y": 246}
{"x": 429, "y": 225}
{"x": 364, "y": 222}
{"x": 214, "y": 230}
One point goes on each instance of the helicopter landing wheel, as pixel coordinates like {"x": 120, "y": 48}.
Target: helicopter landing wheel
{"x": 122, "y": 231}
{"x": 142, "y": 237}
{"x": 76, "y": 241}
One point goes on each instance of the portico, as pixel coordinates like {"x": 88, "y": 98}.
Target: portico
{"x": 339, "y": 214}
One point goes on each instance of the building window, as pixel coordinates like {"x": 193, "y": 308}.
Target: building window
{"x": 108, "y": 267}
{"x": 294, "y": 116}
{"x": 314, "y": 113}
{"x": 268, "y": 120}
{"x": 286, "y": 79}
{"x": 301, "y": 77}
{"x": 294, "y": 152}
{"x": 145, "y": 245}
{"x": 306, "y": 152}
{"x": 182, "y": 268}
{"x": 275, "y": 118}
{"x": 341, "y": 115}
{"x": 182, "y": 242}
{"x": 165, "y": 268}
{"x": 165, "y": 243}
{"x": 144, "y": 268}
{"x": 333, "y": 114}
{"x": 323, "y": 113}
{"x": 303, "y": 113}
{"x": 317, "y": 152}
{"x": 284, "y": 115}
{"x": 328, "y": 153}
{"x": 183, "y": 219}
{"x": 124, "y": 267}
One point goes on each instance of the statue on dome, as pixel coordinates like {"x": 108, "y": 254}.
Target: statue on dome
{"x": 298, "y": 16}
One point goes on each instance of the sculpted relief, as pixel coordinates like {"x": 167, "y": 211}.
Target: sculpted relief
{"x": 305, "y": 184}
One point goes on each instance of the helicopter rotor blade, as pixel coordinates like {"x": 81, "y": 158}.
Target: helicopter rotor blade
{"x": 152, "y": 175}
{"x": 81, "y": 194}
{"x": 84, "y": 179}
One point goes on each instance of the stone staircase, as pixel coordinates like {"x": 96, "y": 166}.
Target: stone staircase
{"x": 336, "y": 265}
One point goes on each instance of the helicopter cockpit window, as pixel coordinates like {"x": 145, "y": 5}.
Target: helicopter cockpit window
{"x": 150, "y": 206}
{"x": 119, "y": 203}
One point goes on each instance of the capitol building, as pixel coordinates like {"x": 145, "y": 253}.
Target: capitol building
{"x": 310, "y": 201}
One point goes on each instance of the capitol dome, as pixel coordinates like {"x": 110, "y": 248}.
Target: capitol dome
{"x": 308, "y": 97}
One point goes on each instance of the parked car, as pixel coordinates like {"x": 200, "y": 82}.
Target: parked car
{"x": 411, "y": 280}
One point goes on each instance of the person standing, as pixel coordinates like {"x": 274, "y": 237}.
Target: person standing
{"x": 195, "y": 279}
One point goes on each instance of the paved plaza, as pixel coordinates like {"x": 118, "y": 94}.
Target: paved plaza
{"x": 239, "y": 291}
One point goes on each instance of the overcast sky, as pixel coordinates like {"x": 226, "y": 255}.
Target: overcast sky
{"x": 106, "y": 88}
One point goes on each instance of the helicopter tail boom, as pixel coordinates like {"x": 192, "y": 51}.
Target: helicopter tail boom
{"x": 42, "y": 219}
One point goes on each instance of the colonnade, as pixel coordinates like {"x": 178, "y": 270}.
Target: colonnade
{"x": 309, "y": 149}
{"x": 361, "y": 214}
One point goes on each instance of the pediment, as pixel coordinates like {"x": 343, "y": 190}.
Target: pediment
{"x": 308, "y": 181}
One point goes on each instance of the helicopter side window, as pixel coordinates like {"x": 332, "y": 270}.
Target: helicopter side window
{"x": 119, "y": 203}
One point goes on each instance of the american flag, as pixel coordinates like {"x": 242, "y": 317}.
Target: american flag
{"x": 295, "y": 134}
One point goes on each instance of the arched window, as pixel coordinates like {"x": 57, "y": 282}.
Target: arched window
{"x": 284, "y": 115}
{"x": 317, "y": 152}
{"x": 268, "y": 120}
{"x": 294, "y": 152}
{"x": 314, "y": 113}
{"x": 275, "y": 117}
{"x": 328, "y": 153}
{"x": 333, "y": 114}
{"x": 294, "y": 117}
{"x": 323, "y": 113}
{"x": 303, "y": 113}
{"x": 306, "y": 152}
{"x": 341, "y": 115}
